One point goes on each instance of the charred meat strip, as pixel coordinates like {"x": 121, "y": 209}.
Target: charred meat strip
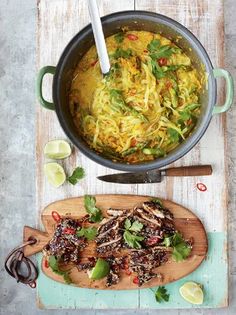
{"x": 65, "y": 243}
{"x": 109, "y": 238}
{"x": 144, "y": 261}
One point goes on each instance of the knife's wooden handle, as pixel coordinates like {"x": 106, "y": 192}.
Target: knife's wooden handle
{"x": 198, "y": 170}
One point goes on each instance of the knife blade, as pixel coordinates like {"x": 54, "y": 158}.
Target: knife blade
{"x": 155, "y": 176}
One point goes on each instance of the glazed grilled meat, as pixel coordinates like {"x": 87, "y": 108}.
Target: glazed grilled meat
{"x": 136, "y": 235}
{"x": 109, "y": 238}
{"x": 65, "y": 243}
{"x": 144, "y": 261}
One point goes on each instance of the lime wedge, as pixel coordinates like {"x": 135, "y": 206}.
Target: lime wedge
{"x": 100, "y": 270}
{"x": 55, "y": 174}
{"x": 57, "y": 149}
{"x": 192, "y": 292}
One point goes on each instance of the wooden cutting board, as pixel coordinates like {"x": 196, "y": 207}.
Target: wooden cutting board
{"x": 185, "y": 221}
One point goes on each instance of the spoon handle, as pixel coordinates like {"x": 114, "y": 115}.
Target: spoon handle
{"x": 99, "y": 36}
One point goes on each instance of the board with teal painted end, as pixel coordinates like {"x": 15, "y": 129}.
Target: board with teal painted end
{"x": 212, "y": 271}
{"x": 58, "y": 22}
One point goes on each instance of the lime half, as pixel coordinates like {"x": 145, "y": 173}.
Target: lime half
{"x": 55, "y": 174}
{"x": 100, "y": 270}
{"x": 57, "y": 149}
{"x": 192, "y": 292}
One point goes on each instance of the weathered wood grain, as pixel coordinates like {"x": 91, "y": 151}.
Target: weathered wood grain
{"x": 58, "y": 21}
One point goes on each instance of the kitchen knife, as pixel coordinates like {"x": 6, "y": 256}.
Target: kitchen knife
{"x": 155, "y": 176}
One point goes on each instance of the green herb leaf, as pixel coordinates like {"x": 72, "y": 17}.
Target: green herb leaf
{"x": 53, "y": 264}
{"x": 188, "y": 112}
{"x": 119, "y": 37}
{"x": 181, "y": 249}
{"x": 157, "y": 51}
{"x": 77, "y": 174}
{"x": 154, "y": 45}
{"x": 90, "y": 233}
{"x": 127, "y": 224}
{"x": 173, "y": 135}
{"x": 136, "y": 226}
{"x": 121, "y": 53}
{"x": 162, "y": 295}
{"x": 132, "y": 240}
{"x": 158, "y": 201}
{"x": 157, "y": 70}
{"x": 95, "y": 214}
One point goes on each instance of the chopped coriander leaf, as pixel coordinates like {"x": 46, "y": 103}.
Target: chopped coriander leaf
{"x": 154, "y": 45}
{"x": 187, "y": 112}
{"x": 127, "y": 225}
{"x": 181, "y": 249}
{"x": 158, "y": 201}
{"x": 132, "y": 240}
{"x": 77, "y": 174}
{"x": 162, "y": 295}
{"x": 173, "y": 135}
{"x": 119, "y": 37}
{"x": 121, "y": 53}
{"x": 95, "y": 214}
{"x": 136, "y": 226}
{"x": 90, "y": 232}
{"x": 158, "y": 51}
{"x": 53, "y": 264}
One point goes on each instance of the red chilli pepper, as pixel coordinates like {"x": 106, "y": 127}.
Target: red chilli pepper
{"x": 69, "y": 231}
{"x": 128, "y": 272}
{"x": 46, "y": 263}
{"x": 201, "y": 187}
{"x": 56, "y": 216}
{"x": 92, "y": 64}
{"x": 136, "y": 280}
{"x": 133, "y": 142}
{"x": 132, "y": 37}
{"x": 162, "y": 62}
{"x": 153, "y": 240}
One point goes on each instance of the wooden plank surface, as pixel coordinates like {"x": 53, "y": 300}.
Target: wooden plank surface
{"x": 58, "y": 22}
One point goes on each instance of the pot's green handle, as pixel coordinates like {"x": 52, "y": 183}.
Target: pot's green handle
{"x": 39, "y": 83}
{"x": 229, "y": 90}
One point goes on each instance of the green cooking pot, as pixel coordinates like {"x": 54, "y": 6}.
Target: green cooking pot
{"x": 134, "y": 20}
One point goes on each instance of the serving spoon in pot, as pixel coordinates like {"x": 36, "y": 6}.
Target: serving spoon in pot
{"x": 99, "y": 36}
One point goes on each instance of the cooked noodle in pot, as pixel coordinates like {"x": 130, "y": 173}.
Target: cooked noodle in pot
{"x": 145, "y": 107}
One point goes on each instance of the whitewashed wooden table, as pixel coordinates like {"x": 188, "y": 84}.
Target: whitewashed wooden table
{"x": 58, "y": 22}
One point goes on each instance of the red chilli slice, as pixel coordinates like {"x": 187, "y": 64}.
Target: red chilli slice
{"x": 162, "y": 62}
{"x": 56, "y": 216}
{"x": 46, "y": 263}
{"x": 69, "y": 231}
{"x": 201, "y": 187}
{"x": 132, "y": 37}
{"x": 135, "y": 280}
{"x": 153, "y": 240}
{"x": 92, "y": 64}
{"x": 128, "y": 272}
